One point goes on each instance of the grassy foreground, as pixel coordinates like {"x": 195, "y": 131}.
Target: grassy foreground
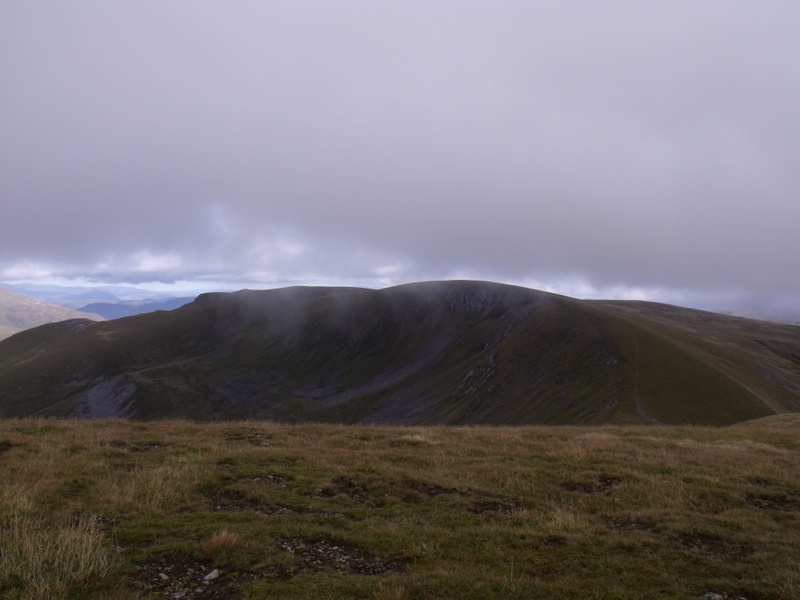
{"x": 119, "y": 510}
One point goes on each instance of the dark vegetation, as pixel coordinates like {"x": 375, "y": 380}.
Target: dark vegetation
{"x": 431, "y": 353}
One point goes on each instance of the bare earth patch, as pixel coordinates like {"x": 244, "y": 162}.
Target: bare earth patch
{"x": 180, "y": 575}
{"x": 251, "y": 436}
{"x": 432, "y": 490}
{"x": 343, "y": 486}
{"x": 711, "y": 545}
{"x": 496, "y": 505}
{"x": 273, "y": 479}
{"x": 317, "y": 554}
{"x": 233, "y": 501}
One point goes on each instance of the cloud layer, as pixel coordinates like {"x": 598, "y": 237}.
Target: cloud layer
{"x": 652, "y": 145}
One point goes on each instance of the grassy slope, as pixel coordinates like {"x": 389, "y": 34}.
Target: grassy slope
{"x": 320, "y": 511}
{"x": 458, "y": 353}
{"x": 700, "y": 367}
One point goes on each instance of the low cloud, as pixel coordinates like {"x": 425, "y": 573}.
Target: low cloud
{"x": 646, "y": 150}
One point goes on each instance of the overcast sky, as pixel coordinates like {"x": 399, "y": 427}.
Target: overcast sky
{"x": 634, "y": 149}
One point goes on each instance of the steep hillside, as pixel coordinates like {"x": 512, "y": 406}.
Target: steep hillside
{"x": 440, "y": 352}
{"x": 19, "y": 312}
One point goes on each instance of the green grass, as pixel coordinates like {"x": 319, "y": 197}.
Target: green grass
{"x": 121, "y": 510}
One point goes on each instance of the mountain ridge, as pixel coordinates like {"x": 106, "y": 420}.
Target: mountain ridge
{"x": 456, "y": 352}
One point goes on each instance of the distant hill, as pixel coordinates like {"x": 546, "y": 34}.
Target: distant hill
{"x": 110, "y": 302}
{"x": 77, "y": 296}
{"x": 19, "y": 312}
{"x": 117, "y": 310}
{"x": 439, "y": 352}
{"x": 68, "y": 296}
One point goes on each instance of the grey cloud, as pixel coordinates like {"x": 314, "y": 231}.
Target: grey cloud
{"x": 652, "y": 145}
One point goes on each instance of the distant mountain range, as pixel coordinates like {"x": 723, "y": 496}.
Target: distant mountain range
{"x": 428, "y": 353}
{"x": 75, "y": 296}
{"x": 19, "y": 312}
{"x": 128, "y": 308}
{"x": 110, "y": 302}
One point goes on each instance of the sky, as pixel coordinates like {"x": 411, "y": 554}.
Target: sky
{"x": 592, "y": 148}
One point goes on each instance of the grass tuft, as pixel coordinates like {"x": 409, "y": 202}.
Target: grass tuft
{"x": 219, "y": 543}
{"x": 39, "y": 560}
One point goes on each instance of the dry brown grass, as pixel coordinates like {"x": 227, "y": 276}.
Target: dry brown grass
{"x": 469, "y": 512}
{"x": 220, "y": 542}
{"x": 49, "y": 561}
{"x": 152, "y": 487}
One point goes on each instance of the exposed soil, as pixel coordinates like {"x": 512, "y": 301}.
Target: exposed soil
{"x": 723, "y": 596}
{"x": 182, "y": 576}
{"x": 432, "y": 490}
{"x": 233, "y": 501}
{"x": 711, "y": 545}
{"x": 483, "y": 503}
{"x": 322, "y": 553}
{"x": 496, "y": 505}
{"x": 251, "y": 436}
{"x": 105, "y": 523}
{"x": 273, "y": 479}
{"x": 343, "y": 486}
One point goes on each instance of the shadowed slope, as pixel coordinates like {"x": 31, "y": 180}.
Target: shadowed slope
{"x": 439, "y": 352}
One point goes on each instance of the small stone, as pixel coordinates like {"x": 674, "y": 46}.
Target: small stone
{"x": 213, "y": 575}
{"x": 164, "y": 576}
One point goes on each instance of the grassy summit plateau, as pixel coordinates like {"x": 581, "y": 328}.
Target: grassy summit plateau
{"x": 117, "y": 510}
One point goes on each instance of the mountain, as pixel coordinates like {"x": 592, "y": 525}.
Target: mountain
{"x": 75, "y": 296}
{"x": 116, "y": 310}
{"x": 19, "y": 312}
{"x": 68, "y": 296}
{"x": 457, "y": 352}
{"x": 110, "y": 302}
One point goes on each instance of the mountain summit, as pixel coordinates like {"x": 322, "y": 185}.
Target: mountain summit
{"x": 457, "y": 352}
